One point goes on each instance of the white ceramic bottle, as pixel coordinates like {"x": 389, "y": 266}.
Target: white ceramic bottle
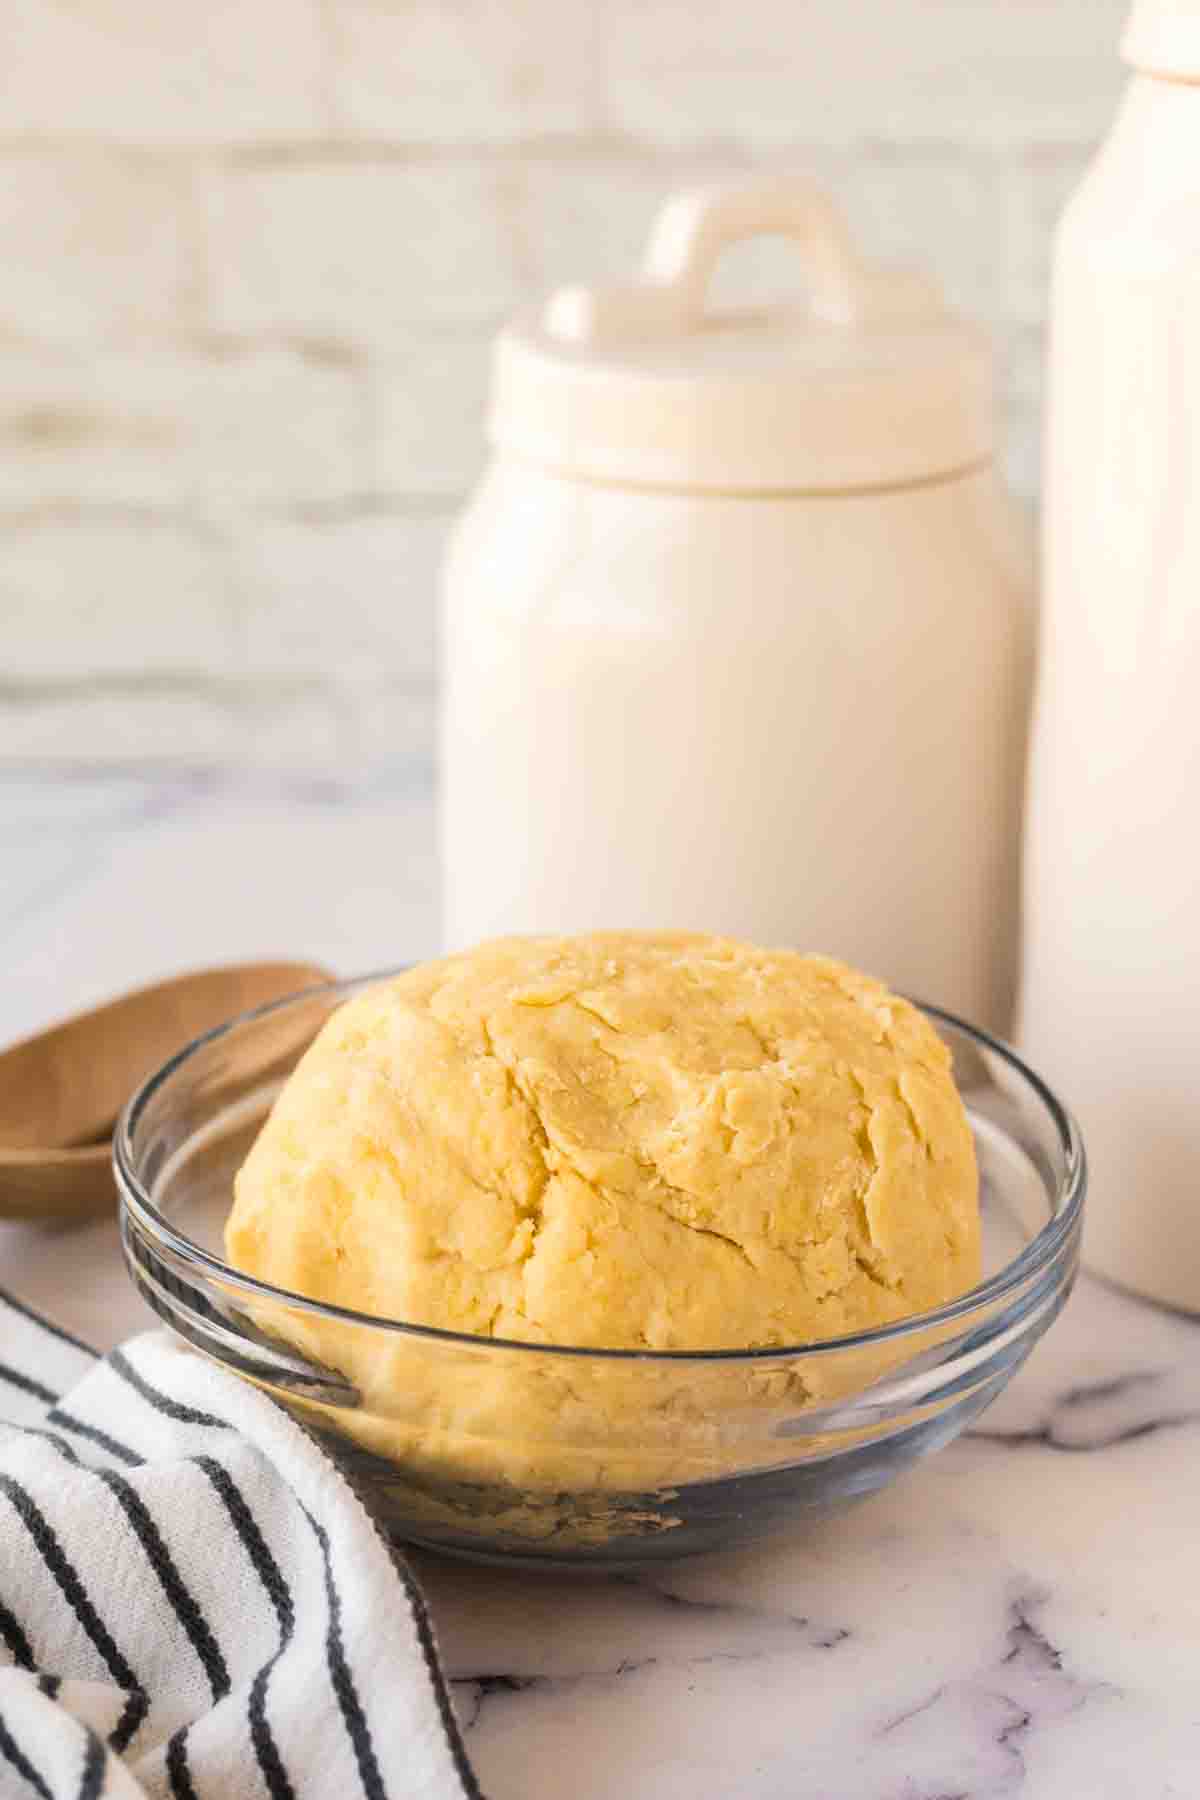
{"x": 736, "y": 628}
{"x": 1110, "y": 1003}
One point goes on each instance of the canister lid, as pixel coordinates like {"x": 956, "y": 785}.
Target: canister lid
{"x": 1163, "y": 38}
{"x": 869, "y": 381}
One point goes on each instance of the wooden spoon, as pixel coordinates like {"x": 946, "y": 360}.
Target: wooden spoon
{"x": 61, "y": 1091}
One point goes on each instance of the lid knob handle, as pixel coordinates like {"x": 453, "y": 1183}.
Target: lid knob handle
{"x": 688, "y": 237}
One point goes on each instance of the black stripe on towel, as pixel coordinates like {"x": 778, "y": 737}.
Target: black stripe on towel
{"x": 92, "y": 1779}
{"x": 185, "y": 1415}
{"x": 64, "y": 1337}
{"x": 178, "y": 1773}
{"x": 265, "y": 1566}
{"x": 343, "y": 1681}
{"x": 20, "y": 1762}
{"x": 48, "y": 1437}
{"x": 26, "y": 1383}
{"x": 127, "y": 1726}
{"x": 184, "y": 1603}
{"x": 68, "y": 1421}
{"x": 186, "y": 1609}
{"x": 428, "y": 1643}
{"x": 18, "y": 1644}
{"x": 278, "y": 1782}
{"x": 75, "y": 1594}
{"x": 445, "y": 1705}
{"x": 425, "y": 1637}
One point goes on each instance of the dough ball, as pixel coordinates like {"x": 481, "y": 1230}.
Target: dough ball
{"x": 623, "y": 1140}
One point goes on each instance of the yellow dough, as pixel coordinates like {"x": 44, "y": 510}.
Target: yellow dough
{"x": 625, "y": 1140}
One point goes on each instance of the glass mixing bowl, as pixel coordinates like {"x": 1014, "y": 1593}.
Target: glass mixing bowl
{"x": 517, "y": 1452}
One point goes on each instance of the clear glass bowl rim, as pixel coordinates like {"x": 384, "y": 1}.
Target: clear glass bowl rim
{"x": 1040, "y": 1254}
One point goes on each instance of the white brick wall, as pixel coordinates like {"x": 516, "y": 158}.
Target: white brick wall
{"x": 111, "y": 595}
{"x": 132, "y": 72}
{"x": 254, "y": 251}
{"x": 193, "y": 424}
{"x": 858, "y": 72}
{"x": 489, "y": 71}
{"x": 354, "y": 247}
{"x": 99, "y": 245}
{"x": 372, "y": 572}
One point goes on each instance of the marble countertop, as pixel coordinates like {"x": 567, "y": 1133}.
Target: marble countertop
{"x": 1021, "y": 1616}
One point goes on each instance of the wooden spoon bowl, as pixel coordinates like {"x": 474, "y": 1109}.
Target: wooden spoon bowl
{"x": 61, "y": 1091}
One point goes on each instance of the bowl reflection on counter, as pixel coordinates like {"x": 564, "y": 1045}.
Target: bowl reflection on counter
{"x": 516, "y": 1451}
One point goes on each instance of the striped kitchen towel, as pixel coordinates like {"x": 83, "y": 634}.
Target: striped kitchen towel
{"x": 192, "y": 1600}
